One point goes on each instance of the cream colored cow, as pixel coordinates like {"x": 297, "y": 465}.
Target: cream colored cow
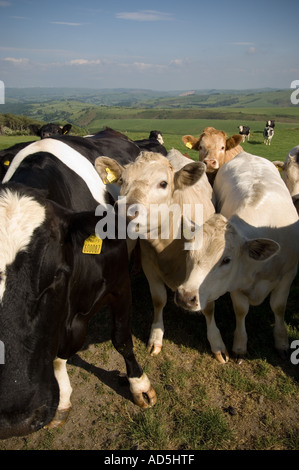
{"x": 153, "y": 186}
{"x": 290, "y": 171}
{"x": 250, "y": 249}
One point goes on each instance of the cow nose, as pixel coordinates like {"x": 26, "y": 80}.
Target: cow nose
{"x": 187, "y": 300}
{"x": 211, "y": 163}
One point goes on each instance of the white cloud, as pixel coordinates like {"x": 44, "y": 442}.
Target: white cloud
{"x": 84, "y": 62}
{"x": 66, "y": 23}
{"x": 16, "y": 61}
{"x": 145, "y": 15}
{"x": 251, "y": 50}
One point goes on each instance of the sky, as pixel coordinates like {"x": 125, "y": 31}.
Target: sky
{"x": 161, "y": 45}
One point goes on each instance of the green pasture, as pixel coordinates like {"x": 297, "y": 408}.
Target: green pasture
{"x": 202, "y": 405}
{"x": 285, "y": 138}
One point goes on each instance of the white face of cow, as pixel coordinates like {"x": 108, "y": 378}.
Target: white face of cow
{"x": 147, "y": 189}
{"x": 225, "y": 260}
{"x": 19, "y": 217}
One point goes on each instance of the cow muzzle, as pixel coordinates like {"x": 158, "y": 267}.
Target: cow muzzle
{"x": 188, "y": 300}
{"x": 211, "y": 163}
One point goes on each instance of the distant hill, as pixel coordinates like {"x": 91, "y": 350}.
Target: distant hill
{"x": 86, "y": 107}
{"x": 150, "y": 98}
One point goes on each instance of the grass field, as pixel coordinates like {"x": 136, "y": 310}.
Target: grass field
{"x": 202, "y": 405}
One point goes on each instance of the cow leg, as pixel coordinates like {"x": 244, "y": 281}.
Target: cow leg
{"x": 65, "y": 391}
{"x": 143, "y": 393}
{"x": 214, "y": 336}
{"x": 241, "y": 308}
{"x": 278, "y": 301}
{"x": 159, "y": 299}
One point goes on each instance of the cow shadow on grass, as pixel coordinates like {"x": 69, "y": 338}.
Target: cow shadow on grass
{"x": 111, "y": 378}
{"x": 189, "y": 330}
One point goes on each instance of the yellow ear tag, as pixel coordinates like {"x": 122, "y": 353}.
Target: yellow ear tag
{"x": 111, "y": 177}
{"x": 92, "y": 245}
{"x": 7, "y": 163}
{"x": 189, "y": 145}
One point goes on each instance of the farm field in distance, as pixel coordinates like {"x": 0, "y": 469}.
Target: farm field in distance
{"x": 202, "y": 405}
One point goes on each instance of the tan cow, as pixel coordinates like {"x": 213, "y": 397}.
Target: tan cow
{"x": 214, "y": 148}
{"x": 155, "y": 187}
{"x": 250, "y": 249}
{"x": 290, "y": 169}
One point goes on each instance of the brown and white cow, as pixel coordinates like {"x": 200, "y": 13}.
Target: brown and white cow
{"x": 214, "y": 148}
{"x": 156, "y": 187}
{"x": 250, "y": 249}
{"x": 290, "y": 169}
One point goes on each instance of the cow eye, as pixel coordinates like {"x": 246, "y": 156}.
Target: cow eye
{"x": 226, "y": 260}
{"x": 222, "y": 148}
{"x": 163, "y": 184}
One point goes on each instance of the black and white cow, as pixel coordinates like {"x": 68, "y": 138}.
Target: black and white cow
{"x": 49, "y": 130}
{"x": 49, "y": 288}
{"x": 244, "y": 131}
{"x": 270, "y": 123}
{"x": 154, "y": 143}
{"x": 268, "y": 135}
{"x": 6, "y": 156}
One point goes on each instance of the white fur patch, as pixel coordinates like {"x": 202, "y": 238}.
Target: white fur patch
{"x": 70, "y": 157}
{"x": 140, "y": 384}
{"x": 19, "y": 217}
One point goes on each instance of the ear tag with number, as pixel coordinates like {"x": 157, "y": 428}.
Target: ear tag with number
{"x": 189, "y": 145}
{"x": 92, "y": 245}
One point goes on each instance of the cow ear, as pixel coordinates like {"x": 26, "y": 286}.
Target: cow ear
{"x": 66, "y": 129}
{"x": 109, "y": 170}
{"x": 262, "y": 249}
{"x": 279, "y": 165}
{"x": 233, "y": 141}
{"x": 189, "y": 174}
{"x": 191, "y": 142}
{"x": 35, "y": 130}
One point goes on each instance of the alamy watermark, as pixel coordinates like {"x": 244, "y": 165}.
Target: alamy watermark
{"x": 156, "y": 221}
{"x": 2, "y": 353}
{"x": 295, "y": 354}
{"x": 295, "y": 93}
{"x": 2, "y": 92}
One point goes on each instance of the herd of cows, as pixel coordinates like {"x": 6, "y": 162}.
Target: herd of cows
{"x": 56, "y": 273}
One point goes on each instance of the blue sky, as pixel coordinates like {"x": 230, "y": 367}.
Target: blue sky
{"x": 159, "y": 45}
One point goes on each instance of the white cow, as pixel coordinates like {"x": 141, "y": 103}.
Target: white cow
{"x": 290, "y": 169}
{"x": 155, "y": 185}
{"x": 250, "y": 249}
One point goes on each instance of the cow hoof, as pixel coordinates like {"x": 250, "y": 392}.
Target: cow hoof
{"x": 238, "y": 357}
{"x": 222, "y": 357}
{"x": 146, "y": 399}
{"x": 154, "y": 349}
{"x": 59, "y": 419}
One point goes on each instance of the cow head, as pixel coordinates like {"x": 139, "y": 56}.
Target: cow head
{"x": 36, "y": 261}
{"x": 148, "y": 184}
{"x": 212, "y": 146}
{"x": 49, "y": 130}
{"x": 224, "y": 259}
